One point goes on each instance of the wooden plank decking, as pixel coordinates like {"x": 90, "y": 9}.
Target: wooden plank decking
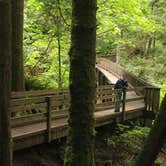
{"x": 33, "y": 134}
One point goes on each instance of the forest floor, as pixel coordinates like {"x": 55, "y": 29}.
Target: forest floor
{"x": 117, "y": 149}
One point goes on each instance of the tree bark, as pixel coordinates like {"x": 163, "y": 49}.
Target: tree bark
{"x": 82, "y": 84}
{"x": 59, "y": 48}
{"x": 5, "y": 83}
{"x": 17, "y": 45}
{"x": 155, "y": 139}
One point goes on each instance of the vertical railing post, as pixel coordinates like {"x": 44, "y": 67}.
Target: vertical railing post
{"x": 146, "y": 105}
{"x": 152, "y": 99}
{"x": 124, "y": 105}
{"x": 48, "y": 100}
{"x": 146, "y": 99}
{"x": 157, "y": 99}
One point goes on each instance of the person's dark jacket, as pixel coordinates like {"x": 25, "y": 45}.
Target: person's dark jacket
{"x": 121, "y": 84}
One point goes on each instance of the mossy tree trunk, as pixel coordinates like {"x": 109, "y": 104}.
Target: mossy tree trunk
{"x": 82, "y": 84}
{"x": 155, "y": 139}
{"x": 5, "y": 83}
{"x": 17, "y": 45}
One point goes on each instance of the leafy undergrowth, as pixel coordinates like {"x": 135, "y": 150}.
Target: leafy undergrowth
{"x": 41, "y": 155}
{"x": 121, "y": 147}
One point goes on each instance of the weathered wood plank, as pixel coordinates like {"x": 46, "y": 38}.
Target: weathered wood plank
{"x": 24, "y": 101}
{"x": 38, "y": 93}
{"x": 28, "y": 107}
{"x": 59, "y": 127}
{"x": 135, "y": 98}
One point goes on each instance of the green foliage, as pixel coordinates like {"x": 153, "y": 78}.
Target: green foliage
{"x": 128, "y": 25}
{"x": 129, "y": 142}
{"x": 122, "y": 145}
{"x": 120, "y": 22}
{"x": 43, "y": 27}
{"x": 151, "y": 67}
{"x": 39, "y": 83}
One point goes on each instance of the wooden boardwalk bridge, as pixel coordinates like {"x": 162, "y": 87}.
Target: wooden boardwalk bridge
{"x": 41, "y": 116}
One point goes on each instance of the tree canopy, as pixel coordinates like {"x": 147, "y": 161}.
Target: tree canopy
{"x": 136, "y": 27}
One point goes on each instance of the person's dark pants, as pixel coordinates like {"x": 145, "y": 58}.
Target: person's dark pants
{"x": 118, "y": 97}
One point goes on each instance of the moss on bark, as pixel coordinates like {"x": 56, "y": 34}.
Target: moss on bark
{"x": 82, "y": 84}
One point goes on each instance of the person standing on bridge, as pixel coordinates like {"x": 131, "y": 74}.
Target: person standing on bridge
{"x": 119, "y": 85}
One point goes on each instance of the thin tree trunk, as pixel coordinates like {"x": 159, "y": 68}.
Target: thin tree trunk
{"x": 59, "y": 64}
{"x": 58, "y": 21}
{"x": 5, "y": 83}
{"x": 119, "y": 46}
{"x": 154, "y": 42}
{"x": 155, "y": 139}
{"x": 82, "y": 84}
{"x": 17, "y": 45}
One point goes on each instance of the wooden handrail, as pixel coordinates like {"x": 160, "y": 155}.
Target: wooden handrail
{"x": 35, "y": 108}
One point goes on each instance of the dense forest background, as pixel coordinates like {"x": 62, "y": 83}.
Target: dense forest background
{"x": 134, "y": 31}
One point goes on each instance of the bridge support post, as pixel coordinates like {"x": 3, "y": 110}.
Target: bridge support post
{"x": 48, "y": 100}
{"x": 157, "y": 99}
{"x": 146, "y": 105}
{"x": 124, "y": 105}
{"x": 152, "y": 100}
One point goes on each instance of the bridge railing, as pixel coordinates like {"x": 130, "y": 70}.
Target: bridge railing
{"x": 31, "y": 107}
{"x": 45, "y": 106}
{"x": 26, "y": 106}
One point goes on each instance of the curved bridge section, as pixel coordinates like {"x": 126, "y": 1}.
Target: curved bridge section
{"x": 112, "y": 71}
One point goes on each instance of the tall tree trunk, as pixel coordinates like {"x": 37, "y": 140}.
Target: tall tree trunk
{"x": 59, "y": 51}
{"x": 57, "y": 24}
{"x": 5, "y": 83}
{"x": 17, "y": 45}
{"x": 149, "y": 45}
{"x": 155, "y": 139}
{"x": 82, "y": 84}
{"x": 154, "y": 42}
